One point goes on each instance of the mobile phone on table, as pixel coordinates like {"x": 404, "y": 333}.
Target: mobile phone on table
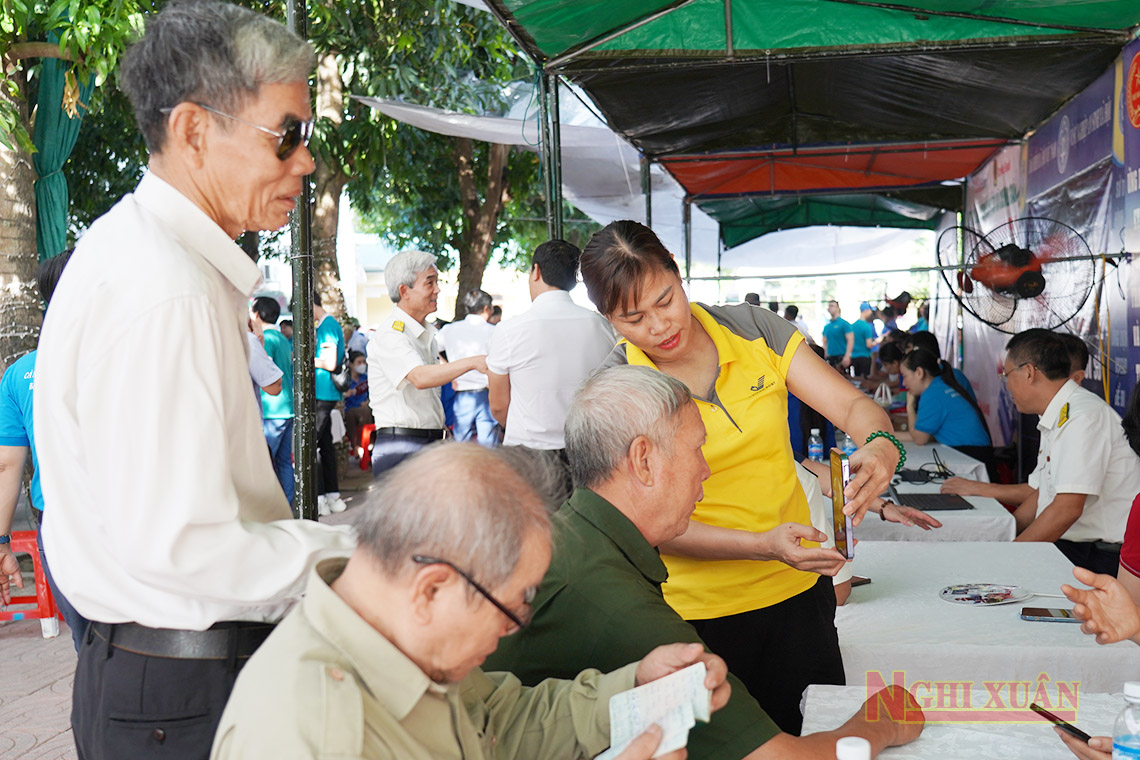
{"x": 840, "y": 477}
{"x": 1048, "y": 615}
{"x": 1068, "y": 728}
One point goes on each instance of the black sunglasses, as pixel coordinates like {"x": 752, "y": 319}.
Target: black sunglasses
{"x": 518, "y": 622}
{"x": 295, "y": 133}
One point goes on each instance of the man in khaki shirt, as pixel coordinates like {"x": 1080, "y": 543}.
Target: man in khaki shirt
{"x": 381, "y": 659}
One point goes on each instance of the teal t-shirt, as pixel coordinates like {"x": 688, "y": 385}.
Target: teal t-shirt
{"x": 863, "y": 333}
{"x": 329, "y": 331}
{"x": 944, "y": 414}
{"x": 279, "y": 407}
{"x": 835, "y": 337}
{"x": 16, "y": 389}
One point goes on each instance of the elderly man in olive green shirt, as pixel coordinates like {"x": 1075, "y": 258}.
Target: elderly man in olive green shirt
{"x": 634, "y": 440}
{"x": 381, "y": 659}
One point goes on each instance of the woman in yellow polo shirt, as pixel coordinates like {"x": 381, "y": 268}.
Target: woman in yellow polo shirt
{"x": 747, "y": 572}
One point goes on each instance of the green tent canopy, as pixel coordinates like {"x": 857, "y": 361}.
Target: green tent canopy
{"x": 697, "y": 84}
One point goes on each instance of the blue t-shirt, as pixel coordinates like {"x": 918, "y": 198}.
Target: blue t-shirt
{"x": 835, "y": 337}
{"x": 357, "y": 393}
{"x": 16, "y": 414}
{"x": 329, "y": 331}
{"x": 920, "y": 326}
{"x": 946, "y": 415}
{"x": 863, "y": 332}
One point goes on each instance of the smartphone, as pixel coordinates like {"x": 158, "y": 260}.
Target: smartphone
{"x": 1050, "y": 615}
{"x": 840, "y": 477}
{"x": 1068, "y": 728}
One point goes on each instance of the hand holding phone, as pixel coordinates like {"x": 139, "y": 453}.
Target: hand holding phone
{"x": 1068, "y": 728}
{"x": 840, "y": 477}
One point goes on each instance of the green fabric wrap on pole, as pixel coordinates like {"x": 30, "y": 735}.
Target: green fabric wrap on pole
{"x": 54, "y": 137}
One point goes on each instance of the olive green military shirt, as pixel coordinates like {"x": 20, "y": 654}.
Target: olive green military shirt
{"x": 326, "y": 684}
{"x": 600, "y": 604}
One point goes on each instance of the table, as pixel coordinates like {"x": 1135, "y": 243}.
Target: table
{"x": 898, "y": 622}
{"x": 987, "y": 521}
{"x": 962, "y": 465}
{"x": 828, "y": 707}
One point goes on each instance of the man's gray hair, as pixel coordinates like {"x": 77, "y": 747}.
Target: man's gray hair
{"x": 454, "y": 501}
{"x": 207, "y": 52}
{"x": 403, "y": 269}
{"x": 614, "y": 407}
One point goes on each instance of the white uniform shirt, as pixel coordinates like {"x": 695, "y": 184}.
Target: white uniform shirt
{"x": 547, "y": 351}
{"x": 262, "y": 370}
{"x": 400, "y": 345}
{"x": 164, "y": 507}
{"x": 1083, "y": 450}
{"x": 460, "y": 340}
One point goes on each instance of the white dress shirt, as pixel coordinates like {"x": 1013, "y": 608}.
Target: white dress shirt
{"x": 471, "y": 336}
{"x": 400, "y": 345}
{"x": 547, "y": 351}
{"x": 165, "y": 507}
{"x": 1083, "y": 450}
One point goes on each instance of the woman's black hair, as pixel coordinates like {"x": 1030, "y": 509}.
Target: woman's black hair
{"x": 1131, "y": 420}
{"x": 935, "y": 367}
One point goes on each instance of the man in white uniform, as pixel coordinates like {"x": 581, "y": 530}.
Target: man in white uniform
{"x": 404, "y": 373}
{"x": 167, "y": 527}
{"x": 1086, "y": 475}
{"x": 471, "y": 336}
{"x": 539, "y": 358}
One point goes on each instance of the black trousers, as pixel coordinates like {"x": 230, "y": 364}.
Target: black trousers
{"x": 326, "y": 454}
{"x": 861, "y": 365}
{"x": 389, "y": 450}
{"x": 778, "y": 651}
{"x": 1088, "y": 555}
{"x": 127, "y": 705}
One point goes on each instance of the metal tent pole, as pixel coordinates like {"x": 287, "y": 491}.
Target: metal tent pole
{"x": 647, "y": 191}
{"x": 304, "y": 336}
{"x": 688, "y": 221}
{"x": 547, "y": 154}
{"x": 555, "y": 155}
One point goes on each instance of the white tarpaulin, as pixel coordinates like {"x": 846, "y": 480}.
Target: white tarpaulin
{"x": 601, "y": 176}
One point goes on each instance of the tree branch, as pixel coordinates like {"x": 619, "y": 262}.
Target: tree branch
{"x": 21, "y": 50}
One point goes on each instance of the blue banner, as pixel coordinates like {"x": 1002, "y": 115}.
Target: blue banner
{"x": 1073, "y": 139}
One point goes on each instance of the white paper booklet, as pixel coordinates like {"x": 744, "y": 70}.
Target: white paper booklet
{"x": 675, "y": 702}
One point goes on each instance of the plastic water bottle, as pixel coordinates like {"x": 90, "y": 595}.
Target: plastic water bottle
{"x": 847, "y": 445}
{"x": 815, "y": 446}
{"x": 1126, "y": 734}
{"x": 852, "y": 748}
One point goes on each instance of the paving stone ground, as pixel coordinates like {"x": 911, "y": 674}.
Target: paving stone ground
{"x": 36, "y": 673}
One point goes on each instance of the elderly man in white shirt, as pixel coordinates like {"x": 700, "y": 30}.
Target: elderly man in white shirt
{"x": 539, "y": 358}
{"x": 1086, "y": 474}
{"x": 463, "y": 338}
{"x": 168, "y": 528}
{"x": 404, "y": 371}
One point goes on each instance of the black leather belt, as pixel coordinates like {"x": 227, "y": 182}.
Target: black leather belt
{"x": 219, "y": 642}
{"x": 403, "y": 432}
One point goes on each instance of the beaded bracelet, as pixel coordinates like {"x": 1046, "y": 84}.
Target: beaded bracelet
{"x": 892, "y": 439}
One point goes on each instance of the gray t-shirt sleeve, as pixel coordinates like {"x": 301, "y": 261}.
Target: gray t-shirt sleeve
{"x": 752, "y": 322}
{"x": 615, "y": 358}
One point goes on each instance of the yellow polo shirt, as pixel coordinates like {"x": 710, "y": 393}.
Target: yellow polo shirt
{"x": 753, "y": 485}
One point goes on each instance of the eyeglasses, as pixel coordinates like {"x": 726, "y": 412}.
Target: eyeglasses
{"x": 1005, "y": 375}
{"x": 516, "y": 621}
{"x": 295, "y": 133}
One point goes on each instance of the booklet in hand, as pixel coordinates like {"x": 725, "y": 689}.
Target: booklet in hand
{"x": 675, "y": 702}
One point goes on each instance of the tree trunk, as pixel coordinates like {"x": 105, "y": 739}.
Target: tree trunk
{"x": 328, "y": 182}
{"x": 20, "y": 315}
{"x": 480, "y": 219}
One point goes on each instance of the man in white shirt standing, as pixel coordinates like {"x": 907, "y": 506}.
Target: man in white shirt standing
{"x": 167, "y": 528}
{"x": 404, "y": 372}
{"x": 1087, "y": 475}
{"x": 462, "y": 339}
{"x": 539, "y": 358}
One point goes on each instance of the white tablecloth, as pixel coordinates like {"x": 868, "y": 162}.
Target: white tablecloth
{"x": 962, "y": 465}
{"x": 898, "y": 622}
{"x": 828, "y": 707}
{"x": 987, "y": 521}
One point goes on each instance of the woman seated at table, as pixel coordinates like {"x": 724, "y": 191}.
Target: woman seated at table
{"x": 947, "y": 412}
{"x": 886, "y": 372}
{"x": 747, "y": 571}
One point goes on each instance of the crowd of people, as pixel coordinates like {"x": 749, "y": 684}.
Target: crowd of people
{"x": 621, "y": 498}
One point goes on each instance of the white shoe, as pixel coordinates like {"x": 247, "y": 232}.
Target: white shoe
{"x": 323, "y": 506}
{"x": 337, "y": 504}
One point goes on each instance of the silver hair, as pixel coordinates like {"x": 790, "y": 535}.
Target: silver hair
{"x": 455, "y": 501}
{"x": 614, "y": 407}
{"x": 208, "y": 52}
{"x": 403, "y": 269}
{"x": 546, "y": 473}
